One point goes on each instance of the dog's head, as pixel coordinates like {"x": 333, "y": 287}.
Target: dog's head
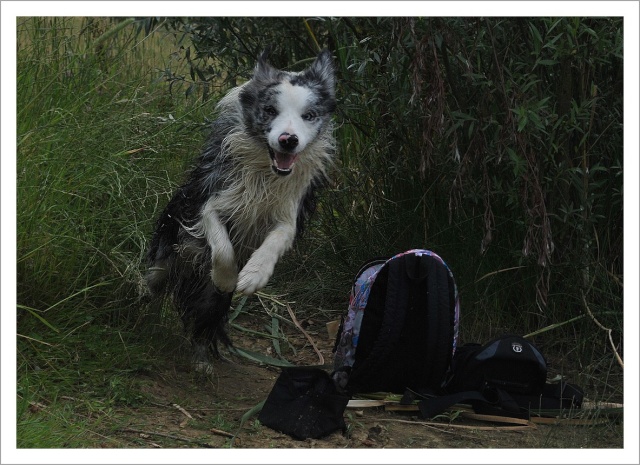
{"x": 289, "y": 110}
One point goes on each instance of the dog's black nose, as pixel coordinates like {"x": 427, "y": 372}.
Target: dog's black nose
{"x": 288, "y": 141}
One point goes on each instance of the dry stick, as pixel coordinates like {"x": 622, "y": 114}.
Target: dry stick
{"x": 37, "y": 405}
{"x": 295, "y": 321}
{"x": 220, "y": 432}
{"x": 608, "y": 330}
{"x": 164, "y": 435}
{"x": 271, "y": 297}
{"x": 497, "y": 418}
{"x": 438, "y": 426}
{"x": 182, "y": 410}
{"x": 426, "y": 425}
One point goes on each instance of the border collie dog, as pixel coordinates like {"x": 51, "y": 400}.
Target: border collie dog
{"x": 246, "y": 199}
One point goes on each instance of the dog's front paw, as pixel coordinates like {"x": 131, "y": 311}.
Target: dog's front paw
{"x": 224, "y": 278}
{"x": 254, "y": 276}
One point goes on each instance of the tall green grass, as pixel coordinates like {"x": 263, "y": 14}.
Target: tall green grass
{"x": 89, "y": 137}
{"x": 100, "y": 145}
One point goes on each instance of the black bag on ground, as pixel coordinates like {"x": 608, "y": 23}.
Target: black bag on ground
{"x": 304, "y": 403}
{"x": 508, "y": 362}
{"x": 507, "y": 377}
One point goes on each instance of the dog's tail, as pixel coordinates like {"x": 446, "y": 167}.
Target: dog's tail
{"x": 162, "y": 251}
{"x": 160, "y": 259}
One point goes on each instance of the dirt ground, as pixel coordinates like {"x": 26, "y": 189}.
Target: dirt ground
{"x": 188, "y": 410}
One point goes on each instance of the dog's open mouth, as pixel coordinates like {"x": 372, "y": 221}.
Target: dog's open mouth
{"x": 282, "y": 163}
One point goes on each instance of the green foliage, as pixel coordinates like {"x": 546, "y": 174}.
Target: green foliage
{"x": 221, "y": 52}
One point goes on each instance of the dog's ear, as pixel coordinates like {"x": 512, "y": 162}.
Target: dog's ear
{"x": 263, "y": 70}
{"x": 265, "y": 53}
{"x": 323, "y": 69}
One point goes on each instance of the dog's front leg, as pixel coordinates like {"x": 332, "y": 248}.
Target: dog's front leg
{"x": 224, "y": 271}
{"x": 256, "y": 273}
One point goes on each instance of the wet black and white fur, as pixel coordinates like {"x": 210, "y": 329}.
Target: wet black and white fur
{"x": 246, "y": 199}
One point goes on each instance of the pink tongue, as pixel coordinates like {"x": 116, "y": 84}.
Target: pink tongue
{"x": 284, "y": 161}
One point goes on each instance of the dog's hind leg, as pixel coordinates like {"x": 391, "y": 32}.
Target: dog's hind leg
{"x": 205, "y": 311}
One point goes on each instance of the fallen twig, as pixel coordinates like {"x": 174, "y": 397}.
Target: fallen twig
{"x": 220, "y": 432}
{"x": 499, "y": 419}
{"x": 295, "y": 322}
{"x": 182, "y": 410}
{"x": 165, "y": 435}
{"x": 608, "y": 330}
{"x": 313, "y": 344}
{"x": 435, "y": 425}
{"x": 36, "y": 406}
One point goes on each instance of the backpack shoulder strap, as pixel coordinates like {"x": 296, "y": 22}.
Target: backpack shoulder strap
{"x": 365, "y": 266}
{"x": 391, "y": 327}
{"x": 440, "y": 329}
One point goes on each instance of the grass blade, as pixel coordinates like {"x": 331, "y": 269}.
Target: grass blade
{"x": 34, "y": 312}
{"x": 260, "y": 358}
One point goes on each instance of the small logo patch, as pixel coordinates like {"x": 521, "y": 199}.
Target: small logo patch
{"x": 516, "y": 347}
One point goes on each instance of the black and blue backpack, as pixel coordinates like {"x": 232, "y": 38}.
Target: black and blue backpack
{"x": 401, "y": 327}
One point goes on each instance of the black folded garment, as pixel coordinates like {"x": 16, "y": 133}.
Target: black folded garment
{"x": 304, "y": 403}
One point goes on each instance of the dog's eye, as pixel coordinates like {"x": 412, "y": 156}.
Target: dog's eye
{"x": 309, "y": 116}
{"x": 269, "y": 110}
